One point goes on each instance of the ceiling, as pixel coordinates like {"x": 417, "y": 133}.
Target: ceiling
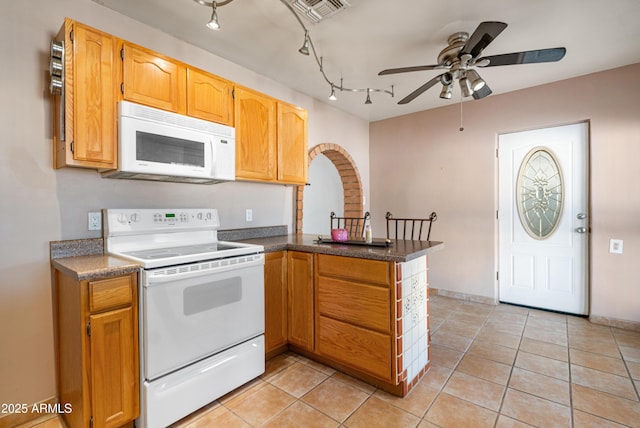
{"x": 371, "y": 35}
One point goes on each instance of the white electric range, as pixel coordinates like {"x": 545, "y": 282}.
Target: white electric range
{"x": 201, "y": 308}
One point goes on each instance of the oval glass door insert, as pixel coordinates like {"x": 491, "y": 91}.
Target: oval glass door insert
{"x": 540, "y": 193}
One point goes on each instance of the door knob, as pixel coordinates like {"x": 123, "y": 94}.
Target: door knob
{"x": 581, "y": 230}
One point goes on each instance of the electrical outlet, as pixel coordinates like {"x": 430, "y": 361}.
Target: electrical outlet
{"x": 248, "y": 215}
{"x": 94, "y": 221}
{"x": 615, "y": 246}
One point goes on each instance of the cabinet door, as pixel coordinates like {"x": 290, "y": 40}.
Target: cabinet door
{"x": 114, "y": 369}
{"x": 292, "y": 144}
{"x": 300, "y": 319}
{"x": 154, "y": 80}
{"x": 209, "y": 97}
{"x": 255, "y": 116}
{"x": 91, "y": 99}
{"x": 275, "y": 300}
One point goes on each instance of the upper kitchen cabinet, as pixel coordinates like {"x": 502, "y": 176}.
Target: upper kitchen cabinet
{"x": 255, "y": 135}
{"x": 271, "y": 139}
{"x": 209, "y": 97}
{"x": 292, "y": 144}
{"x": 84, "y": 112}
{"x": 152, "y": 79}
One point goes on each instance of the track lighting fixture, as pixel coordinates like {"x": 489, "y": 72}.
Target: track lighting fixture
{"x": 213, "y": 22}
{"x": 333, "y": 97}
{"x": 306, "y": 49}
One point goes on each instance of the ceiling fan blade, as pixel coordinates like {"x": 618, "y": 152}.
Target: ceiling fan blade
{"x": 526, "y": 57}
{"x": 419, "y": 91}
{"x": 482, "y": 92}
{"x": 410, "y": 69}
{"x": 480, "y": 39}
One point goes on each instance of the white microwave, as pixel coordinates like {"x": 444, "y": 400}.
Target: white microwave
{"x": 163, "y": 146}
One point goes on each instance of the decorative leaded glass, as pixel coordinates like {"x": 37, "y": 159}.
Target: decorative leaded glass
{"x": 540, "y": 193}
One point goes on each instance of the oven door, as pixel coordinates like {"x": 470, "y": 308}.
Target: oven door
{"x": 190, "y": 312}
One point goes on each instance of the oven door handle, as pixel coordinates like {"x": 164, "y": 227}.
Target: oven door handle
{"x": 177, "y": 273}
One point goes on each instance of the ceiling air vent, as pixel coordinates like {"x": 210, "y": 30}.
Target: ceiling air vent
{"x": 317, "y": 10}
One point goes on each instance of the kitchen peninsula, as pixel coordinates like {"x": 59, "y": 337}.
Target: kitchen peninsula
{"x": 362, "y": 309}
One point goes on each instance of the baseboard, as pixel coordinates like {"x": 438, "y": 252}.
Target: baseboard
{"x": 613, "y": 322}
{"x": 31, "y": 413}
{"x": 610, "y": 322}
{"x": 463, "y": 296}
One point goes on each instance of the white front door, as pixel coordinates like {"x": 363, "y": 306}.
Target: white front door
{"x": 543, "y": 218}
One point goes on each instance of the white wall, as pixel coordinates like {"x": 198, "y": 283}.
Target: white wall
{"x": 39, "y": 204}
{"x": 435, "y": 167}
{"x": 323, "y": 196}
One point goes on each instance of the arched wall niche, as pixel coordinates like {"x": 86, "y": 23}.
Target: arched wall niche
{"x": 349, "y": 175}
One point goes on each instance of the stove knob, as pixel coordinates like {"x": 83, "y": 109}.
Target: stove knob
{"x": 199, "y": 216}
{"x": 122, "y": 218}
{"x": 208, "y": 216}
{"x": 135, "y": 217}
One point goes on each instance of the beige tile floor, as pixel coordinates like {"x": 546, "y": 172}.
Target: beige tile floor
{"x": 493, "y": 366}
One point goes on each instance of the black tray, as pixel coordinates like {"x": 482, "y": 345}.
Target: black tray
{"x": 374, "y": 243}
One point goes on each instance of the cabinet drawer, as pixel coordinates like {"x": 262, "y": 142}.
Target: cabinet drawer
{"x": 109, "y": 293}
{"x": 362, "y": 349}
{"x": 362, "y": 270}
{"x": 356, "y": 303}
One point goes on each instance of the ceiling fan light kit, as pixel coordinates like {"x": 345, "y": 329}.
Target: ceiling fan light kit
{"x": 462, "y": 55}
{"x": 313, "y": 10}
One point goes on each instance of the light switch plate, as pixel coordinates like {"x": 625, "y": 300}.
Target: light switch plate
{"x": 248, "y": 215}
{"x": 616, "y": 246}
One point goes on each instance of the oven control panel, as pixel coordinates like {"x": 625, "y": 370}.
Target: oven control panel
{"x": 149, "y": 220}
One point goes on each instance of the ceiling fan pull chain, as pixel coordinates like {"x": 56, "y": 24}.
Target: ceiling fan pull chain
{"x": 461, "y": 127}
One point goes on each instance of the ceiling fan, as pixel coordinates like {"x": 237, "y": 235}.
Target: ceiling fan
{"x": 463, "y": 54}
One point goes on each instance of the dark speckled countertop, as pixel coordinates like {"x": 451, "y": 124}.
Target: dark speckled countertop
{"x": 84, "y": 259}
{"x": 399, "y": 251}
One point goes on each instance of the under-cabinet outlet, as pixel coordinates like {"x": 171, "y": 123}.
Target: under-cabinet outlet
{"x": 615, "y": 246}
{"x": 94, "y": 221}
{"x": 248, "y": 215}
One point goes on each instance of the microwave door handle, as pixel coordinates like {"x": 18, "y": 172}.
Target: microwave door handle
{"x": 214, "y": 147}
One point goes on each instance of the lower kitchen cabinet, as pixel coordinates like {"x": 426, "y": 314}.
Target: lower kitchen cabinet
{"x": 368, "y": 318}
{"x": 96, "y": 328}
{"x": 275, "y": 302}
{"x": 300, "y": 329}
{"x": 354, "y": 313}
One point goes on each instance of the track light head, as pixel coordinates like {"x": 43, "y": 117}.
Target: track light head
{"x": 333, "y": 97}
{"x": 213, "y": 22}
{"x": 368, "y": 101}
{"x": 304, "y": 50}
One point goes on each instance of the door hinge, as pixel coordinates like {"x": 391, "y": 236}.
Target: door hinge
{"x": 91, "y": 422}
{"x": 71, "y": 35}
{"x": 72, "y": 147}
{"x": 233, "y": 93}
{"x": 122, "y": 88}
{"x": 89, "y": 328}
{"x": 497, "y": 215}
{"x": 122, "y": 54}
{"x": 497, "y": 276}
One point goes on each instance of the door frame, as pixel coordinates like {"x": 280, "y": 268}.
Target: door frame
{"x": 589, "y": 263}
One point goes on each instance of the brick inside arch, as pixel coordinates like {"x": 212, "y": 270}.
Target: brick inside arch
{"x": 351, "y": 182}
